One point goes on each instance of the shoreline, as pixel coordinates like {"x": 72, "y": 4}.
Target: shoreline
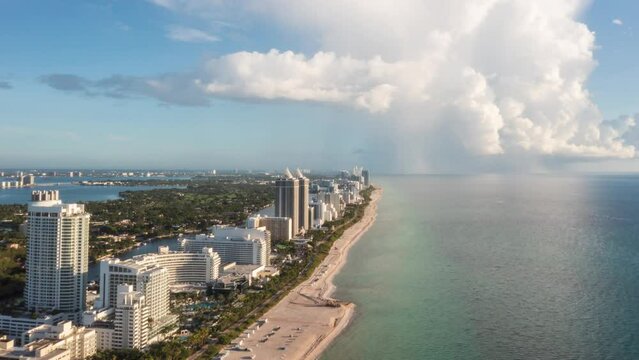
{"x": 349, "y": 310}
{"x": 306, "y": 324}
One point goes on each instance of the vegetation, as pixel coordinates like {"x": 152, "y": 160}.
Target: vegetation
{"x": 12, "y": 253}
{"x": 118, "y": 225}
{"x": 167, "y": 212}
{"x": 233, "y": 314}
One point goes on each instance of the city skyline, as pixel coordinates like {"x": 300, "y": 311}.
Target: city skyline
{"x": 211, "y": 84}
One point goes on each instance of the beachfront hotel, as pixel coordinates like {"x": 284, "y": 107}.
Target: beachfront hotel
{"x": 57, "y": 254}
{"x": 292, "y": 200}
{"x": 147, "y": 277}
{"x": 238, "y": 245}
{"x": 125, "y": 326}
{"x": 281, "y": 228}
{"x": 287, "y": 199}
{"x": 131, "y": 325}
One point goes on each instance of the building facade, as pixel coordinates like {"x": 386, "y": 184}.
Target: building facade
{"x": 131, "y": 326}
{"x": 281, "y": 228}
{"x": 242, "y": 246}
{"x": 16, "y": 326}
{"x": 57, "y": 254}
{"x": 62, "y": 341}
{"x": 146, "y": 277}
{"x": 287, "y": 202}
{"x": 304, "y": 221}
{"x": 367, "y": 179}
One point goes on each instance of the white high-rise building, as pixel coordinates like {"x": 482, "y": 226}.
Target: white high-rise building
{"x": 57, "y": 254}
{"x": 242, "y": 246}
{"x": 146, "y": 277}
{"x": 131, "y": 330}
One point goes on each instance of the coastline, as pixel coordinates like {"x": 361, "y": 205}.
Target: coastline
{"x": 305, "y": 324}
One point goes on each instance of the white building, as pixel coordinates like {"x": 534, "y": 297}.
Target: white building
{"x": 242, "y": 246}
{"x": 15, "y": 327}
{"x": 182, "y": 267}
{"x": 281, "y": 228}
{"x": 62, "y": 341}
{"x": 102, "y": 321}
{"x": 57, "y": 254}
{"x": 230, "y": 232}
{"x": 146, "y": 277}
{"x": 131, "y": 330}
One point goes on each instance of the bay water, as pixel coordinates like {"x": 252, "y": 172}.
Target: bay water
{"x": 71, "y": 191}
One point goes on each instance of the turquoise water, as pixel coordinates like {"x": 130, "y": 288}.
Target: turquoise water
{"x": 496, "y": 267}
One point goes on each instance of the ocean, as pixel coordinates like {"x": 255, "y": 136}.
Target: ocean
{"x": 496, "y": 267}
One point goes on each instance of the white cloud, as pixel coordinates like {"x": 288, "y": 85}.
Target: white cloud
{"x": 617, "y": 22}
{"x": 185, "y": 34}
{"x": 501, "y": 76}
{"x": 479, "y": 78}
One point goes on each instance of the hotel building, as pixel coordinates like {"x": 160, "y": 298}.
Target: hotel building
{"x": 131, "y": 326}
{"x": 147, "y": 277}
{"x": 281, "y": 228}
{"x": 242, "y": 246}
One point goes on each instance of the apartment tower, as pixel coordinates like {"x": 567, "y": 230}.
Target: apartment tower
{"x": 287, "y": 201}
{"x": 304, "y": 221}
{"x": 57, "y": 254}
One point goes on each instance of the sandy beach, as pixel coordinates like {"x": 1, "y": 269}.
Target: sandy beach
{"x": 304, "y": 323}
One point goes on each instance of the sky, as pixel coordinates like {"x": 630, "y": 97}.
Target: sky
{"x": 419, "y": 86}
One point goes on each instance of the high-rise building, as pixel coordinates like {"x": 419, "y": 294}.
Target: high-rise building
{"x": 131, "y": 326}
{"x": 366, "y": 176}
{"x": 287, "y": 202}
{"x": 57, "y": 254}
{"x": 232, "y": 232}
{"x": 242, "y": 246}
{"x": 281, "y": 228}
{"x": 28, "y": 180}
{"x": 146, "y": 277}
{"x": 304, "y": 221}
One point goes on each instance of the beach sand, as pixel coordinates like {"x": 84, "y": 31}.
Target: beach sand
{"x": 301, "y": 326}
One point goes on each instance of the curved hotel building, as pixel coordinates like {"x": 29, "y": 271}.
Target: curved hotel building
{"x": 242, "y": 246}
{"x": 166, "y": 267}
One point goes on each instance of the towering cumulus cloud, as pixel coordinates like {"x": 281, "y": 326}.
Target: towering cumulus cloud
{"x": 480, "y": 78}
{"x": 496, "y": 75}
{"x": 501, "y": 74}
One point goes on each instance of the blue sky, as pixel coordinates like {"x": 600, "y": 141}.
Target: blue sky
{"x": 122, "y": 126}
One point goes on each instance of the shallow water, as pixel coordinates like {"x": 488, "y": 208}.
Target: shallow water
{"x": 496, "y": 267}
